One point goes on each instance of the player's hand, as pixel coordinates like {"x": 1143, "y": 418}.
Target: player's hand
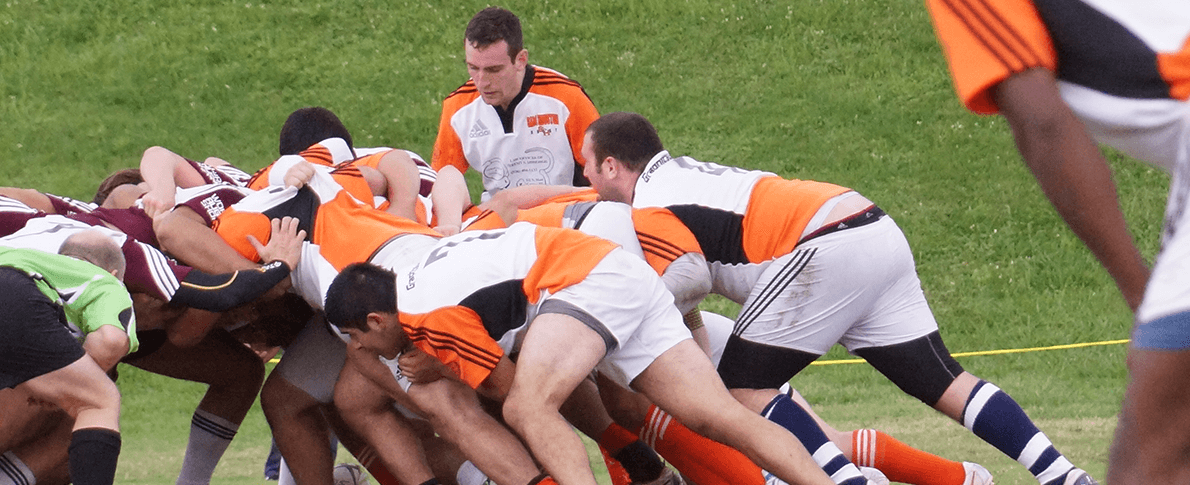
{"x": 299, "y": 174}
{"x": 285, "y": 243}
{"x": 420, "y": 367}
{"x": 158, "y": 202}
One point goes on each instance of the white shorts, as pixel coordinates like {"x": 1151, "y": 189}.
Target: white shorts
{"x": 857, "y": 287}
{"x": 313, "y": 361}
{"x": 624, "y": 300}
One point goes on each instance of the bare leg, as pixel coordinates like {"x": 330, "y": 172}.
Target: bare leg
{"x": 1152, "y": 442}
{"x": 558, "y": 353}
{"x": 682, "y": 382}
{"x": 366, "y": 409}
{"x": 300, "y": 430}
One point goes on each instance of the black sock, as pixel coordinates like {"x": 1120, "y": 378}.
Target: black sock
{"x": 641, "y": 462}
{"x": 93, "y": 454}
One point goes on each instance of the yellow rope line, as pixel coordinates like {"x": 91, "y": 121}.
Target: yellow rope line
{"x": 958, "y": 354}
{"x": 992, "y": 352}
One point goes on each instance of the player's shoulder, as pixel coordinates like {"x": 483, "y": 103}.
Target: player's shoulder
{"x": 462, "y": 95}
{"x": 550, "y": 82}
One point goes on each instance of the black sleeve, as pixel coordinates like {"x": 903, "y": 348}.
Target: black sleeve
{"x": 222, "y": 292}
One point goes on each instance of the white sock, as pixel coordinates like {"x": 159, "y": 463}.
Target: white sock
{"x": 469, "y": 475}
{"x": 210, "y": 435}
{"x": 13, "y": 471}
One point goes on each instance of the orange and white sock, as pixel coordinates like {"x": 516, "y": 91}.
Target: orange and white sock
{"x": 901, "y": 462}
{"x": 704, "y": 461}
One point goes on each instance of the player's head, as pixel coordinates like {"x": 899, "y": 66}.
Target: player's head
{"x": 495, "y": 55}
{"x": 616, "y": 148}
{"x": 96, "y": 248}
{"x": 362, "y": 302}
{"x": 273, "y": 322}
{"x": 308, "y": 126}
{"x": 128, "y": 176}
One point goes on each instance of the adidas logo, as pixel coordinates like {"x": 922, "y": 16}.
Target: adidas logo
{"x": 479, "y": 130}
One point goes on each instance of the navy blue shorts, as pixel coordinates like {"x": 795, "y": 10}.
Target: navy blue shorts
{"x": 35, "y": 339}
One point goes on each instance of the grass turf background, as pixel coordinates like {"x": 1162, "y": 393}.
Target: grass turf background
{"x": 853, "y": 92}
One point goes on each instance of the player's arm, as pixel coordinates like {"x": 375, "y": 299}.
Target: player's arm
{"x": 29, "y": 197}
{"x": 106, "y": 345}
{"x": 528, "y": 196}
{"x": 185, "y": 235}
{"x": 450, "y": 198}
{"x": 402, "y": 181}
{"x": 1072, "y": 173}
{"x": 164, "y": 171}
{"x": 221, "y": 292}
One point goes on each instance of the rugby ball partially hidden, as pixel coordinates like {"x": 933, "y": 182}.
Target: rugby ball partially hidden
{"x": 350, "y": 474}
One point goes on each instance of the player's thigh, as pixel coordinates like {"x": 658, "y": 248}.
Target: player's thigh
{"x": 22, "y": 418}
{"x": 219, "y": 359}
{"x": 78, "y": 386}
{"x": 558, "y": 352}
{"x": 682, "y": 382}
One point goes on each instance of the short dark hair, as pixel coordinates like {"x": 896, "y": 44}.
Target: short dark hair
{"x": 627, "y": 137}
{"x": 306, "y": 127}
{"x": 116, "y": 179}
{"x": 492, "y": 25}
{"x": 360, "y": 289}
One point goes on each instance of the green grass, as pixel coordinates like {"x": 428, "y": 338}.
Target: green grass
{"x": 853, "y": 92}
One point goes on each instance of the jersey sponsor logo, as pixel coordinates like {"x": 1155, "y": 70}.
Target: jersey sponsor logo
{"x": 544, "y": 124}
{"x": 478, "y": 129}
{"x": 649, "y": 173}
{"x": 213, "y": 205}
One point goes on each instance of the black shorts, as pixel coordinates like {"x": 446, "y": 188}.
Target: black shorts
{"x": 35, "y": 339}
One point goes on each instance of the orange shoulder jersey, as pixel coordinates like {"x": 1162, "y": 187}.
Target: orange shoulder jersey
{"x": 1136, "y": 49}
{"x": 469, "y": 297}
{"x": 738, "y": 216}
{"x": 345, "y": 229}
{"x": 536, "y": 141}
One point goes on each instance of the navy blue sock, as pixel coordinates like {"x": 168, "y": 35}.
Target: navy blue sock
{"x": 783, "y": 411}
{"x": 997, "y": 419}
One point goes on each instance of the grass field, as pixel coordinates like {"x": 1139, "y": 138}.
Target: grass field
{"x": 853, "y": 92}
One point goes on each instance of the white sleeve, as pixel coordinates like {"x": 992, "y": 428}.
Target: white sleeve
{"x": 689, "y": 279}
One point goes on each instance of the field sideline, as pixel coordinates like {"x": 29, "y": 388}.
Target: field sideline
{"x": 853, "y": 92}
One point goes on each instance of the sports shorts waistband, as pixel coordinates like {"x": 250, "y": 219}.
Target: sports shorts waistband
{"x": 862, "y": 218}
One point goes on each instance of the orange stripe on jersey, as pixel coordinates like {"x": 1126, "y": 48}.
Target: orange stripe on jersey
{"x": 663, "y": 237}
{"x": 1175, "y": 69}
{"x": 564, "y": 257}
{"x": 456, "y": 336}
{"x": 986, "y": 41}
{"x": 778, "y": 212}
{"x": 235, "y": 227}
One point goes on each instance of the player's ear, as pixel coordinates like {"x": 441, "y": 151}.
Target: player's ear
{"x": 376, "y": 321}
{"x": 521, "y": 59}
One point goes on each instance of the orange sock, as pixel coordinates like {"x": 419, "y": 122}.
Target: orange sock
{"x": 704, "y": 461}
{"x": 367, "y": 457}
{"x": 901, "y": 462}
{"x": 615, "y": 471}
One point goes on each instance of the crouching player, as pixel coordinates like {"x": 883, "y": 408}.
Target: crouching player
{"x": 567, "y": 303}
{"x": 47, "y": 298}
